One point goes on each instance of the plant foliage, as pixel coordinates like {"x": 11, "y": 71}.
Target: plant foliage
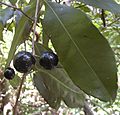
{"x": 87, "y": 64}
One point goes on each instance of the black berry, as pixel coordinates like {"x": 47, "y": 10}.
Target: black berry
{"x": 48, "y": 60}
{"x": 9, "y": 73}
{"x": 23, "y": 61}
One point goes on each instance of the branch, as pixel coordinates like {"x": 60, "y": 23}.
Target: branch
{"x": 87, "y": 109}
{"x": 14, "y": 7}
{"x": 18, "y": 94}
{"x": 114, "y": 21}
{"x": 37, "y": 35}
{"x": 99, "y": 106}
{"x": 103, "y": 17}
{"x": 2, "y": 81}
{"x": 34, "y": 26}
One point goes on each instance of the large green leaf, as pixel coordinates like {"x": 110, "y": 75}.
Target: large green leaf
{"x": 20, "y": 30}
{"x": 109, "y": 5}
{"x": 83, "y": 51}
{"x": 58, "y": 85}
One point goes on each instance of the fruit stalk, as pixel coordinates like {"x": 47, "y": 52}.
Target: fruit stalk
{"x": 34, "y": 27}
{"x": 18, "y": 94}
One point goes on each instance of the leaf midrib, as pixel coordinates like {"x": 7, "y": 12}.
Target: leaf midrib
{"x": 52, "y": 76}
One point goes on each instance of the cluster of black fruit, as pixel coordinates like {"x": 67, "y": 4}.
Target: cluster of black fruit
{"x": 23, "y": 62}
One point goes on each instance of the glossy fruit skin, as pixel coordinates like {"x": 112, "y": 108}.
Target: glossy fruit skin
{"x": 48, "y": 60}
{"x": 23, "y": 61}
{"x": 9, "y": 73}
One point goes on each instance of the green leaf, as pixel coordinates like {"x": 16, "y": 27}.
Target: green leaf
{"x": 47, "y": 89}
{"x": 45, "y": 40}
{"x": 57, "y": 80}
{"x": 83, "y": 51}
{"x": 13, "y": 2}
{"x": 5, "y": 15}
{"x": 109, "y": 5}
{"x": 20, "y": 30}
{"x": 28, "y": 24}
{"x": 26, "y": 32}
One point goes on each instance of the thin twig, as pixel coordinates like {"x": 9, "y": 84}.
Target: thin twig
{"x": 114, "y": 21}
{"x": 99, "y": 106}
{"x": 14, "y": 7}
{"x": 34, "y": 27}
{"x": 2, "y": 81}
{"x": 18, "y": 94}
{"x": 110, "y": 24}
{"x": 87, "y": 109}
{"x": 103, "y": 17}
{"x": 36, "y": 34}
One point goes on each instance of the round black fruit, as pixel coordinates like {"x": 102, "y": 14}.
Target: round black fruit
{"x": 23, "y": 61}
{"x": 9, "y": 73}
{"x": 48, "y": 60}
